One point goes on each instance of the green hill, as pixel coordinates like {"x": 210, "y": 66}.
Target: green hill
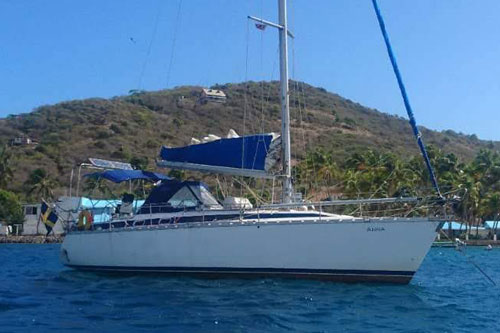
{"x": 135, "y": 126}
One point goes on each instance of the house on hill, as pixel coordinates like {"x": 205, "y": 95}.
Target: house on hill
{"x": 212, "y": 95}
{"x": 22, "y": 141}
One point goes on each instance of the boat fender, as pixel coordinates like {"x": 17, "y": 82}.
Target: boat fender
{"x": 85, "y": 220}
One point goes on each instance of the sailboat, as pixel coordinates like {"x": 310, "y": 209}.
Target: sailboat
{"x": 182, "y": 229}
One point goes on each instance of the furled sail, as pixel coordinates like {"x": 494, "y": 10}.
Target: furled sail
{"x": 252, "y": 155}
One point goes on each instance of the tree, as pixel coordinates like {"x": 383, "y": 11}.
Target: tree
{"x": 5, "y": 168}
{"x": 93, "y": 184}
{"x": 41, "y": 185}
{"x": 11, "y": 210}
{"x": 177, "y": 174}
{"x": 139, "y": 163}
{"x": 490, "y": 206}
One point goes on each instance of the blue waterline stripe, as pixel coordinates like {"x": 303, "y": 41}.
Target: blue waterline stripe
{"x": 247, "y": 270}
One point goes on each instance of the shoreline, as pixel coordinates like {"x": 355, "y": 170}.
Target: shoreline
{"x": 31, "y": 239}
{"x": 471, "y": 242}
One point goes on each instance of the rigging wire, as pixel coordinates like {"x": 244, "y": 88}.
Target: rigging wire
{"x": 150, "y": 45}
{"x": 273, "y": 72}
{"x": 256, "y": 103}
{"x": 299, "y": 107}
{"x": 176, "y": 28}
{"x": 262, "y": 88}
{"x": 262, "y": 71}
{"x": 302, "y": 93}
{"x": 249, "y": 189}
{"x": 268, "y": 105}
{"x": 245, "y": 99}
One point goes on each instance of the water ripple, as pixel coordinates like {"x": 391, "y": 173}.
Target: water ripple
{"x": 446, "y": 295}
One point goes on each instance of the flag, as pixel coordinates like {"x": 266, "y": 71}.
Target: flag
{"x": 48, "y": 217}
{"x": 260, "y": 26}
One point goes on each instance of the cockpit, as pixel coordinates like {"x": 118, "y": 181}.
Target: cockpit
{"x": 173, "y": 196}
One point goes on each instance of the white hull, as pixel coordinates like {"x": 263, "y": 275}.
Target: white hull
{"x": 378, "y": 250}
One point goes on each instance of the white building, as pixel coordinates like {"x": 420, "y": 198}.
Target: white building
{"x": 212, "y": 95}
{"x": 33, "y": 225}
{"x": 22, "y": 141}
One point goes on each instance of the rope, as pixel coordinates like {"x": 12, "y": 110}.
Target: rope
{"x": 460, "y": 249}
{"x": 224, "y": 195}
{"x": 243, "y": 184}
{"x": 406, "y": 100}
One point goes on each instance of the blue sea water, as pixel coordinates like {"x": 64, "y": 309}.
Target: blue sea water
{"x": 447, "y": 294}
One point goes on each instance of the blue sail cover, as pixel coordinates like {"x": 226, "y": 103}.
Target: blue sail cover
{"x": 252, "y": 155}
{"x": 119, "y": 176}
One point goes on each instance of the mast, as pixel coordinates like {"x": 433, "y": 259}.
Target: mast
{"x": 282, "y": 27}
{"x": 285, "y": 104}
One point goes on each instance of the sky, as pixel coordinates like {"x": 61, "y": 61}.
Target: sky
{"x": 448, "y": 52}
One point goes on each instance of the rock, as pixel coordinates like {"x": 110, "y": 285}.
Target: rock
{"x": 31, "y": 239}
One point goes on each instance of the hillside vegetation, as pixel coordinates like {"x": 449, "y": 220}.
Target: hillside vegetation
{"x": 134, "y": 127}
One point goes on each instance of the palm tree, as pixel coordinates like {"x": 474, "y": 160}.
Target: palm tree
{"x": 490, "y": 208}
{"x": 326, "y": 168}
{"x": 93, "y": 184}
{"x": 306, "y": 172}
{"x": 376, "y": 174}
{"x": 5, "y": 169}
{"x": 351, "y": 182}
{"x": 41, "y": 185}
{"x": 469, "y": 207}
{"x": 402, "y": 180}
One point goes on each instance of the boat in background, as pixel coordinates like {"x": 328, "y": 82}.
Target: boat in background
{"x": 182, "y": 229}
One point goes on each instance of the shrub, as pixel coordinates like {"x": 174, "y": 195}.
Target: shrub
{"x": 115, "y": 128}
{"x": 177, "y": 122}
{"x": 140, "y": 163}
{"x": 152, "y": 144}
{"x": 103, "y": 134}
{"x": 11, "y": 210}
{"x": 100, "y": 144}
{"x": 350, "y": 121}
